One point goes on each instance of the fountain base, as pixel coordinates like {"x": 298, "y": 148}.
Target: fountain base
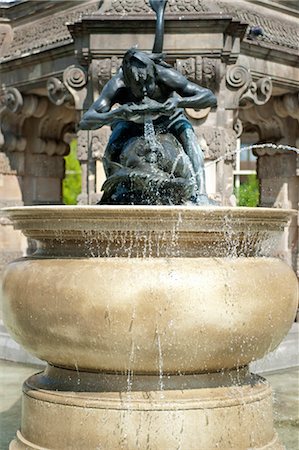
{"x": 121, "y": 301}
{"x": 228, "y": 416}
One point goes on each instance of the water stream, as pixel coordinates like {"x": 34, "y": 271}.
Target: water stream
{"x": 150, "y": 137}
{"x": 252, "y": 147}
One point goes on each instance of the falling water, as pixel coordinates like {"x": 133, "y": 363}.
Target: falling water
{"x": 78, "y": 374}
{"x": 161, "y": 382}
{"x": 150, "y": 136}
{"x": 252, "y": 147}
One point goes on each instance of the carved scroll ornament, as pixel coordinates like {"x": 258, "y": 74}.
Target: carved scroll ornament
{"x": 244, "y": 92}
{"x": 12, "y": 99}
{"x": 58, "y": 93}
{"x": 48, "y": 124}
{"x": 15, "y": 109}
{"x": 75, "y": 80}
{"x": 258, "y": 93}
{"x": 71, "y": 91}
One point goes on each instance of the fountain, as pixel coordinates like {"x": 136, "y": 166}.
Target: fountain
{"x": 148, "y": 315}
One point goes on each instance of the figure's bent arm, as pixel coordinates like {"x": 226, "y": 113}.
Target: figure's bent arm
{"x": 99, "y": 113}
{"x": 197, "y": 97}
{"x": 192, "y": 95}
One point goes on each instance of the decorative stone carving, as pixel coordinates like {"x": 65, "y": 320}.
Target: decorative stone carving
{"x": 52, "y": 129}
{"x": 258, "y": 93}
{"x": 2, "y": 109}
{"x": 187, "y": 67}
{"x": 29, "y": 105}
{"x": 102, "y": 70}
{"x": 217, "y": 142}
{"x": 287, "y": 105}
{"x": 96, "y": 139}
{"x": 75, "y": 79}
{"x": 238, "y": 127}
{"x": 13, "y": 99}
{"x": 244, "y": 91}
{"x": 50, "y": 147}
{"x": 204, "y": 71}
{"x": 82, "y": 149}
{"x": 269, "y": 127}
{"x": 57, "y": 92}
{"x": 210, "y": 71}
{"x": 99, "y": 142}
{"x": 13, "y": 115}
{"x": 238, "y": 76}
{"x": 6, "y": 37}
{"x": 14, "y": 143}
{"x": 49, "y": 124}
{"x": 271, "y": 150}
{"x": 28, "y": 38}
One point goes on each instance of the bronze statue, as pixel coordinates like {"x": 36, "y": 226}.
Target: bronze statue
{"x": 153, "y": 156}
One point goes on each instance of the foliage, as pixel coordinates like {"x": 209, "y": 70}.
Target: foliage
{"x": 248, "y": 193}
{"x": 71, "y": 186}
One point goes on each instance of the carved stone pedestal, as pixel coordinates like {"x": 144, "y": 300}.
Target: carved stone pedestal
{"x": 148, "y": 318}
{"x": 77, "y": 410}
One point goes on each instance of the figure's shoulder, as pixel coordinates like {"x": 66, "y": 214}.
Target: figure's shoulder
{"x": 118, "y": 79}
{"x": 170, "y": 76}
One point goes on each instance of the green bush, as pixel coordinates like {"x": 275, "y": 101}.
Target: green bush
{"x": 71, "y": 185}
{"x": 248, "y": 193}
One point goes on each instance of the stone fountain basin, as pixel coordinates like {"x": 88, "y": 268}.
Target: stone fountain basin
{"x": 150, "y": 289}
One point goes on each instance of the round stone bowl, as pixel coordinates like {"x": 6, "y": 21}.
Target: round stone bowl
{"x": 150, "y": 290}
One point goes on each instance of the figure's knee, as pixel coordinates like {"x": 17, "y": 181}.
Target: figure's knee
{"x": 116, "y": 141}
{"x": 190, "y": 143}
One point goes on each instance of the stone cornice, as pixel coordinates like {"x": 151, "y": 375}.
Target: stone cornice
{"x": 284, "y": 7}
{"x": 46, "y": 32}
{"x": 203, "y": 22}
{"x": 226, "y": 48}
{"x": 61, "y": 56}
{"x": 261, "y": 50}
{"x": 47, "y": 20}
{"x": 28, "y": 11}
{"x": 279, "y": 32}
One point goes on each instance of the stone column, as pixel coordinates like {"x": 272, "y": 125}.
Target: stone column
{"x": 35, "y": 140}
{"x": 72, "y": 92}
{"x": 279, "y": 188}
{"x": 101, "y": 71}
{"x": 277, "y": 122}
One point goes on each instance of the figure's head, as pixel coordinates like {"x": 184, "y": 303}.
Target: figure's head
{"x": 139, "y": 72}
